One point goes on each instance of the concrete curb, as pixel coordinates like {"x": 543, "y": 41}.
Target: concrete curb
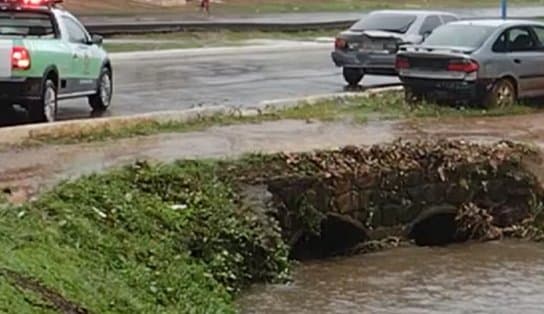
{"x": 18, "y": 135}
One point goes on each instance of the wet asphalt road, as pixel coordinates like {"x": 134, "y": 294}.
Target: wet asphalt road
{"x": 243, "y": 78}
{"x": 237, "y": 77}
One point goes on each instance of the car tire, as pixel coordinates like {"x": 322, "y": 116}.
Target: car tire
{"x": 502, "y": 94}
{"x": 353, "y": 76}
{"x": 412, "y": 96}
{"x": 104, "y": 91}
{"x": 45, "y": 109}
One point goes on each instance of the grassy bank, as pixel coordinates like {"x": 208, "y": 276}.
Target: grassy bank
{"x": 144, "y": 239}
{"x": 386, "y": 106}
{"x": 129, "y": 7}
{"x": 206, "y": 39}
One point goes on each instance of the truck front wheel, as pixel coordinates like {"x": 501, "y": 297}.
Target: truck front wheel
{"x": 45, "y": 109}
{"x": 102, "y": 99}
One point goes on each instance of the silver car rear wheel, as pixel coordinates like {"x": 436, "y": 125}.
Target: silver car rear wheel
{"x": 502, "y": 94}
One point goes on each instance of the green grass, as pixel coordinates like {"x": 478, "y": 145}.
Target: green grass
{"x": 206, "y": 39}
{"x": 114, "y": 243}
{"x": 385, "y": 106}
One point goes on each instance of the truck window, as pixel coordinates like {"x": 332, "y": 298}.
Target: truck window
{"x": 33, "y": 24}
{"x": 76, "y": 33}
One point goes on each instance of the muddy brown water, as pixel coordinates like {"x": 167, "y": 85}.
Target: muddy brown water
{"x": 495, "y": 277}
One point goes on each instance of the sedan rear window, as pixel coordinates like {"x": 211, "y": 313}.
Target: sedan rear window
{"x": 391, "y": 22}
{"x": 459, "y": 35}
{"x": 26, "y": 24}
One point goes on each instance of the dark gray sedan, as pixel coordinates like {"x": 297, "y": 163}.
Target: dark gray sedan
{"x": 491, "y": 62}
{"x": 370, "y": 45}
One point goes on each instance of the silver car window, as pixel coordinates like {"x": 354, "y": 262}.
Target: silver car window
{"x": 460, "y": 35}
{"x": 501, "y": 44}
{"x": 429, "y": 24}
{"x": 521, "y": 39}
{"x": 392, "y": 22}
{"x": 539, "y": 32}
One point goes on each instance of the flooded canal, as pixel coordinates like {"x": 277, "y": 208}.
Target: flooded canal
{"x": 497, "y": 277}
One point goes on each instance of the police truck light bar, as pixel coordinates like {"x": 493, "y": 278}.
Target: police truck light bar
{"x": 33, "y": 3}
{"x": 41, "y": 2}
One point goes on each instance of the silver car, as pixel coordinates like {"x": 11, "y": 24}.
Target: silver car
{"x": 370, "y": 45}
{"x": 491, "y": 62}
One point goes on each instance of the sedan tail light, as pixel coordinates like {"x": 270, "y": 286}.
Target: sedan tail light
{"x": 20, "y": 58}
{"x": 340, "y": 43}
{"x": 402, "y": 63}
{"x": 464, "y": 65}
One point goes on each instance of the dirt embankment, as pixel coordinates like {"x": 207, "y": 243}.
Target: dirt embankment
{"x": 25, "y": 171}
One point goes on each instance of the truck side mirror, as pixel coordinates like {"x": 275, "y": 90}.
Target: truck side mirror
{"x": 97, "y": 40}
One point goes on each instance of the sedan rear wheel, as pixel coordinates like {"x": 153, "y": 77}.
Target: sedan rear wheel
{"x": 502, "y": 94}
{"x": 412, "y": 96}
{"x": 353, "y": 76}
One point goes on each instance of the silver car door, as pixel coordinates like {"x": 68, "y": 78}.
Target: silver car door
{"x": 539, "y": 59}
{"x": 523, "y": 58}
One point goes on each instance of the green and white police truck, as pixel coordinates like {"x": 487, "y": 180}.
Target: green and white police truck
{"x": 47, "y": 55}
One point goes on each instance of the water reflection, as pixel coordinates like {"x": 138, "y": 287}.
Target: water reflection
{"x": 499, "y": 277}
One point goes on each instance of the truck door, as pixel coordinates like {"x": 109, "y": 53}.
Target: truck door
{"x": 78, "y": 80}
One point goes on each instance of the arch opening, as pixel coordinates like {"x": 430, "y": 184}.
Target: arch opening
{"x": 338, "y": 235}
{"x": 437, "y": 230}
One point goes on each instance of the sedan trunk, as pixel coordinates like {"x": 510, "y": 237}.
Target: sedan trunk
{"x": 418, "y": 60}
{"x": 371, "y": 41}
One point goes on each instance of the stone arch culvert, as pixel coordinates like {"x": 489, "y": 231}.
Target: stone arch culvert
{"x": 431, "y": 193}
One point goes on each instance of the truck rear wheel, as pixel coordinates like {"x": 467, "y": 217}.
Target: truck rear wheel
{"x": 353, "y": 76}
{"x": 45, "y": 109}
{"x": 102, "y": 99}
